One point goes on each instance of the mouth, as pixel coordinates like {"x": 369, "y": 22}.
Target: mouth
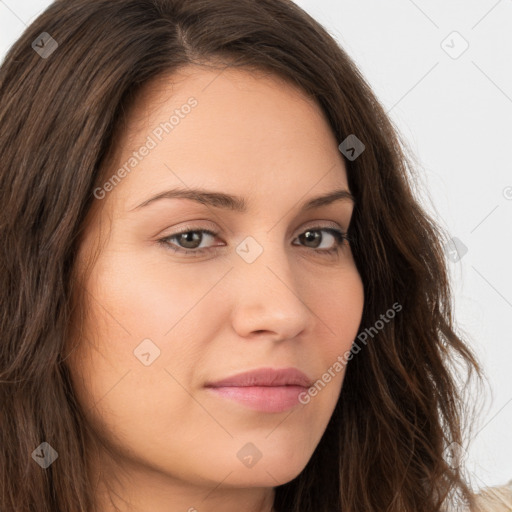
{"x": 265, "y": 389}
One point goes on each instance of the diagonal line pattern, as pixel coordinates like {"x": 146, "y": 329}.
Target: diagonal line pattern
{"x": 3, "y": 3}
{"x": 110, "y": 389}
{"x": 198, "y": 301}
{"x": 492, "y": 490}
{"x": 502, "y": 296}
{"x": 503, "y": 407}
{"x": 301, "y": 300}
{"x": 413, "y": 87}
{"x": 486, "y": 14}
{"x": 280, "y": 423}
{"x": 273, "y": 477}
{"x": 199, "y": 403}
{"x": 229, "y": 65}
{"x": 492, "y": 211}
{"x": 424, "y": 14}
{"x": 492, "y": 81}
{"x": 218, "y": 485}
{"x": 108, "y": 312}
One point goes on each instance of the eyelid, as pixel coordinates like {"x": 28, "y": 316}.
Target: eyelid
{"x": 210, "y": 226}
{"x": 202, "y": 225}
{"x": 339, "y": 234}
{"x": 323, "y": 224}
{"x": 332, "y": 228}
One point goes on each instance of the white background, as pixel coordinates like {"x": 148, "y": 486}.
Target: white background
{"x": 456, "y": 114}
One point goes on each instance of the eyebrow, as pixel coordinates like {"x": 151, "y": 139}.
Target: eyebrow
{"x": 237, "y": 203}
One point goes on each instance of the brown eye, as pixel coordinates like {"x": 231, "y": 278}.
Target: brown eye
{"x": 312, "y": 238}
{"x": 188, "y": 241}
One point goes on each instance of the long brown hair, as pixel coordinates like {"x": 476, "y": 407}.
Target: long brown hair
{"x": 401, "y": 405}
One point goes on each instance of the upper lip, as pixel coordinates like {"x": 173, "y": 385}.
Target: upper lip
{"x": 265, "y": 377}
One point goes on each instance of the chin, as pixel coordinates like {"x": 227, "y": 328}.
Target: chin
{"x": 265, "y": 476}
{"x": 271, "y": 472}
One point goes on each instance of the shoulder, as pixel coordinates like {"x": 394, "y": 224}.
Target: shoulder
{"x": 495, "y": 499}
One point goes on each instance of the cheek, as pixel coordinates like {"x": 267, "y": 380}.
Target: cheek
{"x": 340, "y": 307}
{"x": 145, "y": 295}
{"x": 135, "y": 314}
{"x": 127, "y": 401}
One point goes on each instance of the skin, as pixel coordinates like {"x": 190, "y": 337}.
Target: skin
{"x": 172, "y": 445}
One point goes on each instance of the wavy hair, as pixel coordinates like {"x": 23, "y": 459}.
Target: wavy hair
{"x": 402, "y": 403}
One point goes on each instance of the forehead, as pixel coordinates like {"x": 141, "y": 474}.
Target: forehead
{"x": 226, "y": 98}
{"x": 251, "y": 132}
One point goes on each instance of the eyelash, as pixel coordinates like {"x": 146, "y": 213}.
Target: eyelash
{"x": 340, "y": 236}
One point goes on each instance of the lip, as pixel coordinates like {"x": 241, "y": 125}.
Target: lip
{"x": 265, "y": 377}
{"x": 264, "y": 389}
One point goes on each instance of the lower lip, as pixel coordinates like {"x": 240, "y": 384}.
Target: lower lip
{"x": 262, "y": 398}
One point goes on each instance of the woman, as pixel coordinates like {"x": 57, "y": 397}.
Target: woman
{"x": 299, "y": 357}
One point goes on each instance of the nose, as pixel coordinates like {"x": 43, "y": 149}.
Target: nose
{"x": 268, "y": 293}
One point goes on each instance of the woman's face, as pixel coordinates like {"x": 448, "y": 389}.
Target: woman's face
{"x": 261, "y": 292}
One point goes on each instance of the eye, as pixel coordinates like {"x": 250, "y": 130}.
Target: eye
{"x": 314, "y": 236}
{"x": 189, "y": 240}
